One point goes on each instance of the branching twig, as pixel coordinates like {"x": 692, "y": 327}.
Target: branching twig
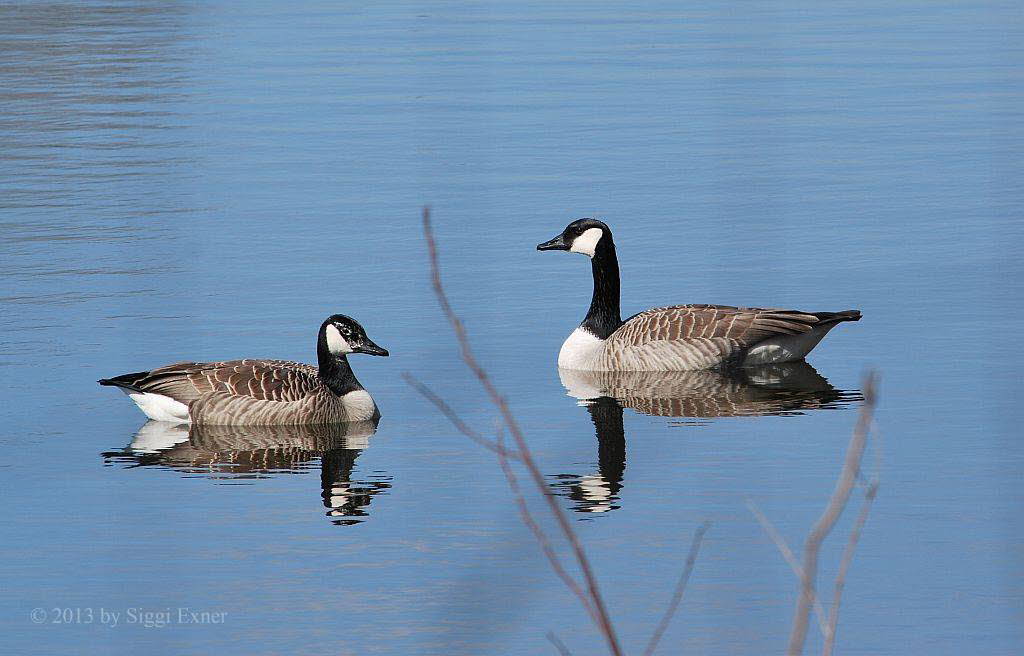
{"x": 851, "y": 544}
{"x": 677, "y": 596}
{"x": 593, "y": 592}
{"x": 821, "y": 528}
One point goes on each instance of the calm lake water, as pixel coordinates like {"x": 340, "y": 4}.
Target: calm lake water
{"x": 203, "y": 181}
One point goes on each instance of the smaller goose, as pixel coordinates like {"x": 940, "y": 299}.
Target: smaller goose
{"x": 261, "y": 392}
{"x": 679, "y": 337}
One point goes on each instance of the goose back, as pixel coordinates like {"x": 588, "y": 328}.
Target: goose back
{"x": 268, "y": 380}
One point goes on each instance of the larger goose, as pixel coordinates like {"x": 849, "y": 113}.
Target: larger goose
{"x": 261, "y": 392}
{"x": 679, "y": 337}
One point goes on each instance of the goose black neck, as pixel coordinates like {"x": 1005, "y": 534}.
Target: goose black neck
{"x": 334, "y": 369}
{"x": 603, "y": 317}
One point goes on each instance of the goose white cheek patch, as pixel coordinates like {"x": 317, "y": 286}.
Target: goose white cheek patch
{"x": 587, "y": 242}
{"x": 335, "y": 342}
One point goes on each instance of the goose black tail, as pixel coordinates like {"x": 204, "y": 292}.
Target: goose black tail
{"x": 836, "y": 317}
{"x": 126, "y": 381}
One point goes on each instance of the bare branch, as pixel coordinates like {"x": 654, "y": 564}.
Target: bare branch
{"x": 603, "y": 620}
{"x": 677, "y": 596}
{"x": 837, "y": 503}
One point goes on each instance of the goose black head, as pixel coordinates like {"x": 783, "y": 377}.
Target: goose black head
{"x": 344, "y": 335}
{"x": 580, "y": 236}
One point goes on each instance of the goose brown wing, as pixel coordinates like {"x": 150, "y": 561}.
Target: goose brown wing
{"x": 266, "y": 380}
{"x": 688, "y": 337}
{"x": 745, "y": 326}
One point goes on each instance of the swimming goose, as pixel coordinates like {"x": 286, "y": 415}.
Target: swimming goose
{"x": 261, "y": 392}
{"x": 679, "y": 337}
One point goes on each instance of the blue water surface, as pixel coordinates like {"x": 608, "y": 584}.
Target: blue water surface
{"x": 195, "y": 181}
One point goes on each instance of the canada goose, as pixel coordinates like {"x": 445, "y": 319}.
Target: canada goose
{"x": 679, "y": 337}
{"x": 261, "y": 392}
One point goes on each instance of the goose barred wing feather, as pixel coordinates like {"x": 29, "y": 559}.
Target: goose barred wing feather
{"x": 698, "y": 336}
{"x": 265, "y": 380}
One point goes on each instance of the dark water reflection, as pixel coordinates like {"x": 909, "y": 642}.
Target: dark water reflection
{"x": 598, "y": 492}
{"x": 782, "y": 389}
{"x": 694, "y": 396}
{"x": 243, "y": 453}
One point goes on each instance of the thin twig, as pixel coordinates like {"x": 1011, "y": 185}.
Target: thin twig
{"x": 851, "y": 544}
{"x": 790, "y": 558}
{"x": 836, "y": 505}
{"x": 777, "y": 538}
{"x": 559, "y": 645}
{"x": 677, "y": 596}
{"x": 844, "y": 567}
{"x": 456, "y": 420}
{"x": 603, "y": 620}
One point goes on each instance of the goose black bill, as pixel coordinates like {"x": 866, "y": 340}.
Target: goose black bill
{"x": 369, "y": 348}
{"x": 556, "y": 244}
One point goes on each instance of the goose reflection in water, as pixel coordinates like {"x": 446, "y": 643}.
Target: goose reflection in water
{"x": 694, "y": 396}
{"x": 238, "y": 453}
